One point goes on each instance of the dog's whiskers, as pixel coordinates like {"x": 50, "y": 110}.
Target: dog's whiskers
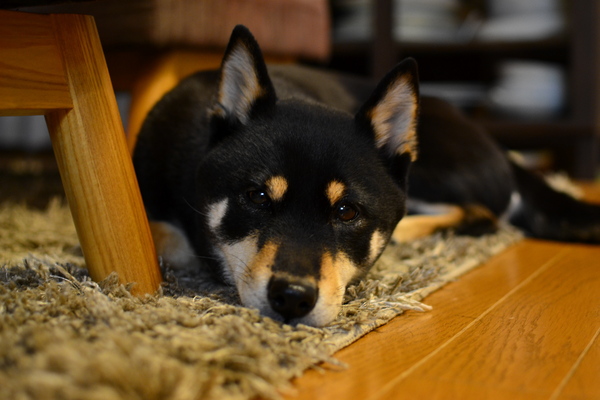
{"x": 204, "y": 257}
{"x": 245, "y": 276}
{"x": 194, "y": 209}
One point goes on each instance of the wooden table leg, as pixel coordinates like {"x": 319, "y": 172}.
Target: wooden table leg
{"x": 95, "y": 165}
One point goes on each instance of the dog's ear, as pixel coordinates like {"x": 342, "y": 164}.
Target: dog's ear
{"x": 390, "y": 114}
{"x": 245, "y": 88}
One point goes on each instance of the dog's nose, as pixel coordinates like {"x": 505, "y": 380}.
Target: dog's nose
{"x": 291, "y": 299}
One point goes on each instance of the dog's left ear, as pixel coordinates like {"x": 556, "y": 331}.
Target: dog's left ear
{"x": 245, "y": 88}
{"x": 390, "y": 114}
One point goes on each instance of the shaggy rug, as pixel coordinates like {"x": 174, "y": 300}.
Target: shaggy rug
{"x": 63, "y": 336}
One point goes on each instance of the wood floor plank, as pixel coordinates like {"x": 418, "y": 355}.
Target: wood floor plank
{"x": 583, "y": 382}
{"x": 390, "y": 351}
{"x": 524, "y": 346}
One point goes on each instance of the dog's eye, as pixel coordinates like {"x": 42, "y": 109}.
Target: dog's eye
{"x": 346, "y": 212}
{"x": 259, "y": 197}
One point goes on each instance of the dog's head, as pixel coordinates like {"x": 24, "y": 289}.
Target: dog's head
{"x": 299, "y": 199}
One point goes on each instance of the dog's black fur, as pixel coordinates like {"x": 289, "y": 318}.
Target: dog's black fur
{"x": 265, "y": 175}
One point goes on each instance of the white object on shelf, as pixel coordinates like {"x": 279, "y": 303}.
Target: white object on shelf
{"x": 460, "y": 94}
{"x": 505, "y": 8}
{"x": 414, "y": 20}
{"x": 529, "y": 89}
{"x": 521, "y": 28}
{"x": 519, "y": 20}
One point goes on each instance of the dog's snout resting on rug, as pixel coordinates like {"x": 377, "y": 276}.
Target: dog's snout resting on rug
{"x": 289, "y": 182}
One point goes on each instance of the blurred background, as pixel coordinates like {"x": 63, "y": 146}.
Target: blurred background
{"x": 527, "y": 70}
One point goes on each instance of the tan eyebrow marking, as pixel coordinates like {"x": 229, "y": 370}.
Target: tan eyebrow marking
{"x": 335, "y": 191}
{"x": 277, "y": 186}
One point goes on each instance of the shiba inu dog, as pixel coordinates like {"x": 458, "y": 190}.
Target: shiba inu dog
{"x": 289, "y": 182}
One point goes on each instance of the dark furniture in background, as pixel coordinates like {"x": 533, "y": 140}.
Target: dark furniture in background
{"x": 572, "y": 138}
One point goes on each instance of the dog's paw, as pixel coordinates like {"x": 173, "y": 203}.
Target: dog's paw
{"x": 172, "y": 245}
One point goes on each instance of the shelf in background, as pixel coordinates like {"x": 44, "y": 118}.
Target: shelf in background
{"x": 362, "y": 47}
{"x": 530, "y": 133}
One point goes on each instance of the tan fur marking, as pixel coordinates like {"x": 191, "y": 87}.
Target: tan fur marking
{"x": 335, "y": 191}
{"x": 346, "y": 269}
{"x": 252, "y": 284}
{"x": 237, "y": 256}
{"x": 262, "y": 262}
{"x": 252, "y": 92}
{"x": 391, "y": 112}
{"x": 376, "y": 246}
{"x": 418, "y": 226}
{"x": 290, "y": 277}
{"x": 277, "y": 186}
{"x": 329, "y": 278}
{"x": 336, "y": 273}
{"x": 172, "y": 245}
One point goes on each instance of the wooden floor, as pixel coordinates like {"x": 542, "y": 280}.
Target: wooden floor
{"x": 526, "y": 325}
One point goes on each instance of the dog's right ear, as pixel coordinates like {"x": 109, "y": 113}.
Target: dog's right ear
{"x": 390, "y": 116}
{"x": 391, "y": 111}
{"x": 245, "y": 89}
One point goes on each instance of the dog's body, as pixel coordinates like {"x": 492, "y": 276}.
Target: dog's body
{"x": 289, "y": 186}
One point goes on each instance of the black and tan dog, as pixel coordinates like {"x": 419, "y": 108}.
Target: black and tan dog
{"x": 289, "y": 186}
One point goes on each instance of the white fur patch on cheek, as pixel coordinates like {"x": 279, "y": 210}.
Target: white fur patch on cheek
{"x": 216, "y": 212}
{"x": 237, "y": 257}
{"x": 253, "y": 287}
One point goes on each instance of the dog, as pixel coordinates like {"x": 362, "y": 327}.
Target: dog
{"x": 288, "y": 182}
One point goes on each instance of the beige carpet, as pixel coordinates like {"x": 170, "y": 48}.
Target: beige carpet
{"x": 63, "y": 336}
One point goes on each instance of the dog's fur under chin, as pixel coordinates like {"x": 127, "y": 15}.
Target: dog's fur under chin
{"x": 289, "y": 182}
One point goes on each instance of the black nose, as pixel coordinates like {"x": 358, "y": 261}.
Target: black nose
{"x": 291, "y": 299}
